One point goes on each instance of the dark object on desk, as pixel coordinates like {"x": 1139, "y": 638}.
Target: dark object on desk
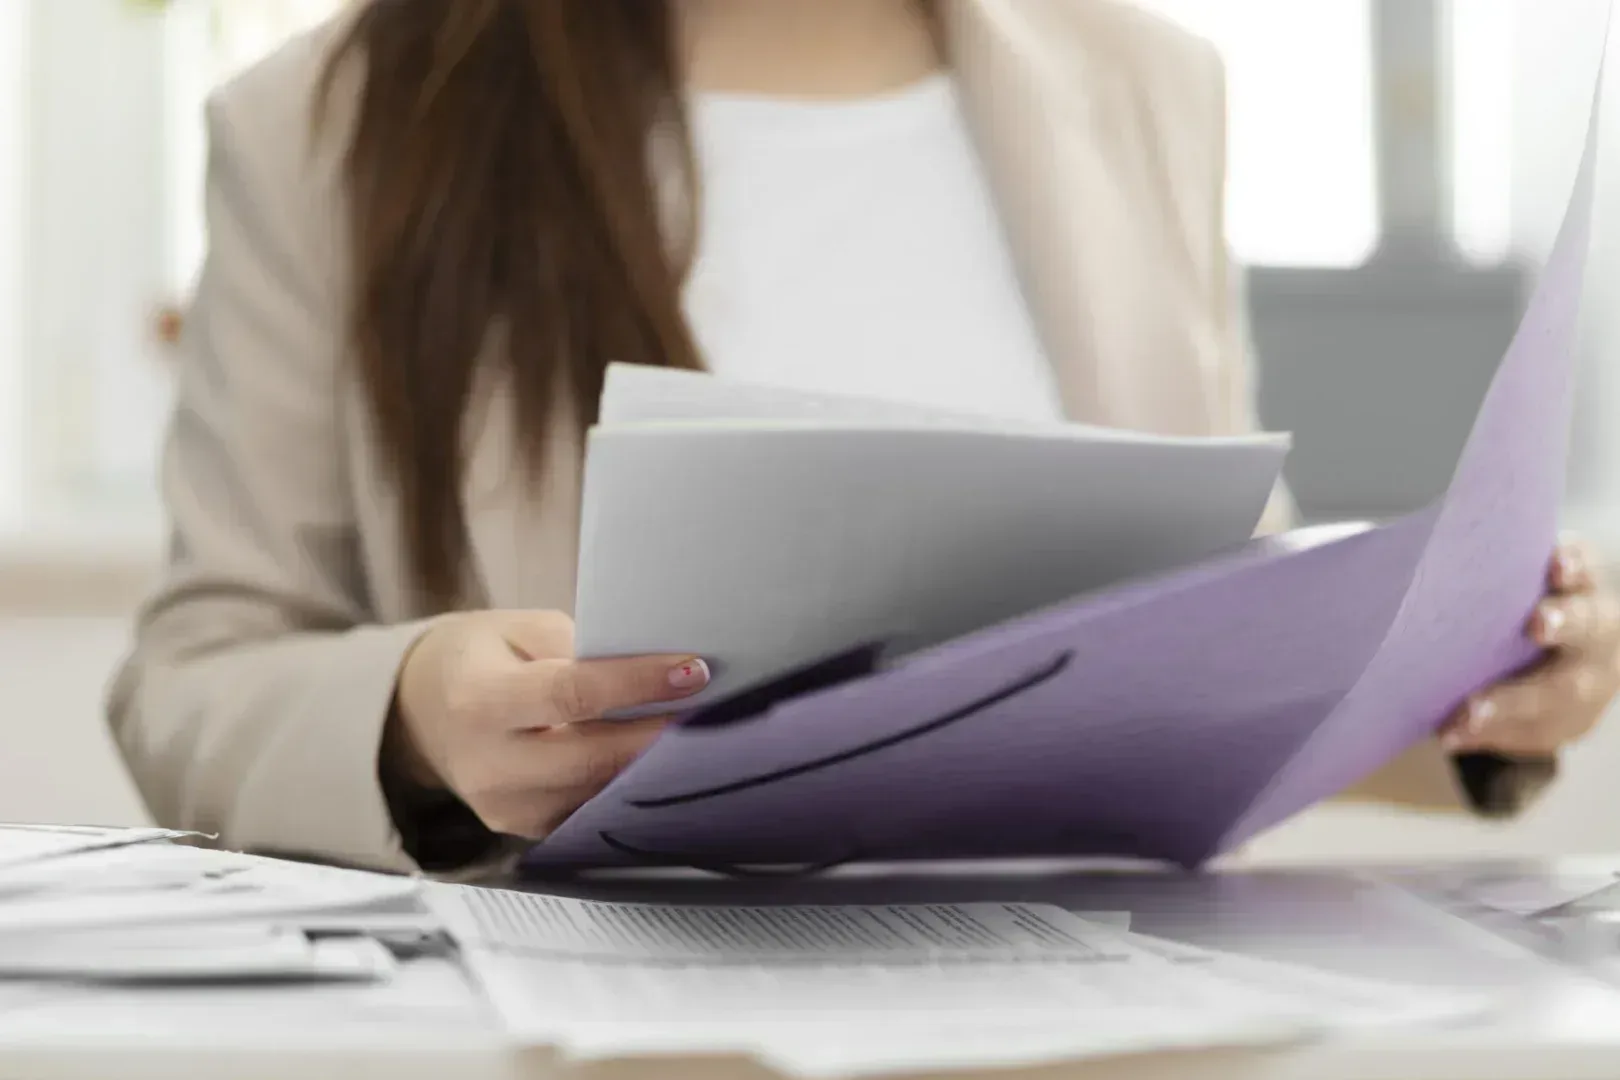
{"x": 1499, "y": 786}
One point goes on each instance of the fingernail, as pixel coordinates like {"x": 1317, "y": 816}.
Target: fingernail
{"x": 1552, "y": 621}
{"x": 1481, "y": 711}
{"x": 1569, "y": 564}
{"x": 690, "y": 675}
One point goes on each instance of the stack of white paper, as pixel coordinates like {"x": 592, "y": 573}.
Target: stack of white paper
{"x": 105, "y": 905}
{"x": 25, "y": 845}
{"x": 164, "y": 885}
{"x": 766, "y": 529}
{"x": 194, "y": 954}
{"x": 824, "y": 991}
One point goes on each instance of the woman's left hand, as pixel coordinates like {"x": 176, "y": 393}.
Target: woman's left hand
{"x": 1563, "y": 697}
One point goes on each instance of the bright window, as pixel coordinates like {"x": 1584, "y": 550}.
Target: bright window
{"x": 1301, "y": 187}
{"x": 209, "y": 42}
{"x": 1302, "y": 143}
{"x": 1481, "y": 64}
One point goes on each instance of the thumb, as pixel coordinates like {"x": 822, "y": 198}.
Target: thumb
{"x": 538, "y": 635}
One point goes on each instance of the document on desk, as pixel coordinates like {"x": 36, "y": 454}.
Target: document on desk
{"x": 1352, "y": 1002}
{"x": 1527, "y": 892}
{"x": 558, "y": 928}
{"x": 230, "y": 954}
{"x": 429, "y": 1000}
{"x": 850, "y": 990}
{"x": 143, "y": 886}
{"x": 24, "y": 845}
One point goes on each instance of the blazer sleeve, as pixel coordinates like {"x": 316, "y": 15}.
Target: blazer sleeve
{"x": 1425, "y": 777}
{"x": 253, "y": 703}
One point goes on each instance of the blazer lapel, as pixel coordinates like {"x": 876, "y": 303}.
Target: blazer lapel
{"x": 1082, "y": 198}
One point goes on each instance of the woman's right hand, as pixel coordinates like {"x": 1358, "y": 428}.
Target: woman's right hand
{"x": 493, "y": 706}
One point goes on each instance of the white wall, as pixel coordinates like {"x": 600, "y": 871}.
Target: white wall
{"x": 14, "y": 128}
{"x": 57, "y": 762}
{"x": 100, "y": 242}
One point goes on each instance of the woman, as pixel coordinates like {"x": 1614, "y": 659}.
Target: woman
{"x": 433, "y": 223}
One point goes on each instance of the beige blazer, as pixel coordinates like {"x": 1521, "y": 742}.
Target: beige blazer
{"x": 263, "y": 669}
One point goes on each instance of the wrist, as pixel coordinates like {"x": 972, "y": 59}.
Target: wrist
{"x": 401, "y": 756}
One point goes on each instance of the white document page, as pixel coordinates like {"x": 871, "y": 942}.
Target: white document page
{"x": 426, "y": 1004}
{"x": 820, "y": 991}
{"x": 146, "y": 886}
{"x": 609, "y": 979}
{"x": 25, "y": 845}
{"x": 1550, "y": 896}
{"x": 1527, "y": 894}
{"x": 1349, "y": 1001}
{"x": 833, "y": 1021}
{"x": 565, "y": 928}
{"x": 635, "y": 394}
{"x": 765, "y": 544}
{"x": 195, "y": 954}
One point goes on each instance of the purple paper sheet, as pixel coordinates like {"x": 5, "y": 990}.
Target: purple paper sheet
{"x": 1169, "y": 719}
{"x": 1484, "y": 569}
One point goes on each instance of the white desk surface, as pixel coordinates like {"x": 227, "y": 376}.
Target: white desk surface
{"x": 430, "y": 1022}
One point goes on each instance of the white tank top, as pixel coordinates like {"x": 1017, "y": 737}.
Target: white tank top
{"x": 853, "y": 247}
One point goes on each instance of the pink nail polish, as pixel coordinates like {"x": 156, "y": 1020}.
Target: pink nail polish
{"x": 691, "y": 675}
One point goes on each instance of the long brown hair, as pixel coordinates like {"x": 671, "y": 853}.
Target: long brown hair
{"x": 502, "y": 181}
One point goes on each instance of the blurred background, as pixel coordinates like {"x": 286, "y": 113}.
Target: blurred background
{"x": 1398, "y": 168}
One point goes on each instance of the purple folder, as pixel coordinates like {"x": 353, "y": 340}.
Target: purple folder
{"x": 1169, "y": 719}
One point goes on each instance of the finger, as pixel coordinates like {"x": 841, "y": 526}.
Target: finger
{"x": 1509, "y": 706}
{"x": 1537, "y": 713}
{"x": 1572, "y": 568}
{"x": 1527, "y": 740}
{"x": 1586, "y": 622}
{"x": 556, "y": 692}
{"x": 1465, "y": 730}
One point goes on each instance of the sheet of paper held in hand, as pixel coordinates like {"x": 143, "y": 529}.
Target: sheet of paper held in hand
{"x": 820, "y": 990}
{"x": 819, "y": 522}
{"x": 1170, "y": 718}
